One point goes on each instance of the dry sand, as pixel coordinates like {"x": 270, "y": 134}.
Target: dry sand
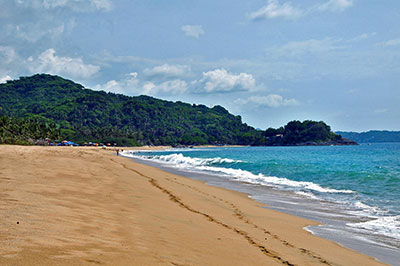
{"x": 86, "y": 206}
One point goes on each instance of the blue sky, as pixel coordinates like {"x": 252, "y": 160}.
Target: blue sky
{"x": 270, "y": 61}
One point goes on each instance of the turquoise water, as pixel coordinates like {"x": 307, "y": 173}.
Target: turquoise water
{"x": 353, "y": 189}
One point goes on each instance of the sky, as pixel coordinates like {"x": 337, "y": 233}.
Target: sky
{"x": 269, "y": 61}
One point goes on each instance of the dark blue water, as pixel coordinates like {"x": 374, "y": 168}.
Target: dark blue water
{"x": 354, "y": 190}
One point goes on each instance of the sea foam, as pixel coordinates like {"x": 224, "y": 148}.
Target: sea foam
{"x": 371, "y": 211}
{"x": 387, "y": 225}
{"x": 207, "y": 165}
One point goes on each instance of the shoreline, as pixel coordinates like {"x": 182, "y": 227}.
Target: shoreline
{"x": 86, "y": 205}
{"x": 329, "y": 226}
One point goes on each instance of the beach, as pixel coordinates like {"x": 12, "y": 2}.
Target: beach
{"x": 86, "y": 206}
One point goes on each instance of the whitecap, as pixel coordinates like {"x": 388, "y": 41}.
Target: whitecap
{"x": 362, "y": 208}
{"x": 387, "y": 225}
{"x": 178, "y": 160}
{"x": 307, "y": 195}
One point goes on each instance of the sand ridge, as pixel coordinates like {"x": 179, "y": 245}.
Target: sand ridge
{"x": 86, "y": 206}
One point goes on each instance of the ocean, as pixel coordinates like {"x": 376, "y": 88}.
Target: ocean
{"x": 354, "y": 191}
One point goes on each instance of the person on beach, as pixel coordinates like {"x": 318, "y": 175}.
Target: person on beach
{"x": 117, "y": 152}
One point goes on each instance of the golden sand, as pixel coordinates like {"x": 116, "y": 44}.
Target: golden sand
{"x": 86, "y": 206}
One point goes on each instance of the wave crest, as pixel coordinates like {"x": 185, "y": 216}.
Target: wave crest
{"x": 388, "y": 226}
{"x": 208, "y": 165}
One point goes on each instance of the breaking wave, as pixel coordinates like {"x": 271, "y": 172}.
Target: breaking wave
{"x": 387, "y": 225}
{"x": 215, "y": 166}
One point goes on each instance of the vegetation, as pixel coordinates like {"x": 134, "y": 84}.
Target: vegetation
{"x": 373, "y": 136}
{"x": 303, "y": 133}
{"x": 45, "y": 106}
{"x": 85, "y": 115}
{"x": 26, "y": 131}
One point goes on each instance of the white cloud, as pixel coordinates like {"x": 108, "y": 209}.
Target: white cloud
{"x": 271, "y": 100}
{"x": 11, "y": 63}
{"x": 336, "y": 5}
{"x": 132, "y": 85}
{"x": 5, "y": 78}
{"x": 306, "y": 47}
{"x": 32, "y": 32}
{"x": 363, "y": 36}
{"x": 381, "y": 111}
{"x": 111, "y": 86}
{"x": 171, "y": 87}
{"x": 274, "y": 9}
{"x": 7, "y": 54}
{"x": 49, "y": 62}
{"x": 220, "y": 80}
{"x": 128, "y": 85}
{"x": 103, "y": 4}
{"x": 167, "y": 71}
{"x": 148, "y": 86}
{"x": 133, "y": 74}
{"x": 75, "y": 5}
{"x": 393, "y": 42}
{"x": 193, "y": 30}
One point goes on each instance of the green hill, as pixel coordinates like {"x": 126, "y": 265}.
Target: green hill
{"x": 304, "y": 133}
{"x": 373, "y": 136}
{"x": 46, "y": 106}
{"x": 87, "y": 115}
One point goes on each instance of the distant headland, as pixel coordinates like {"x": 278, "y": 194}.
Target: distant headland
{"x": 50, "y": 107}
{"x": 372, "y": 136}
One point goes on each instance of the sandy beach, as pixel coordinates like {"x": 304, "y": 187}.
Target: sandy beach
{"x": 86, "y": 206}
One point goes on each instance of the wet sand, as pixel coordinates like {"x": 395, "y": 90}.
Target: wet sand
{"x": 86, "y": 206}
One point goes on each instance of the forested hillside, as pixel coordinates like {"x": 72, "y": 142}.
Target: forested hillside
{"x": 304, "y": 133}
{"x": 26, "y": 130}
{"x": 86, "y": 115}
{"x": 46, "y": 106}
